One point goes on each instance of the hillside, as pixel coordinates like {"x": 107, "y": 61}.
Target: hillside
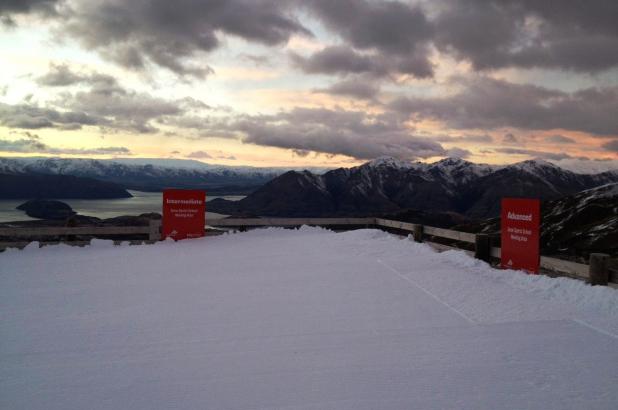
{"x": 387, "y": 185}
{"x": 39, "y": 186}
{"x": 572, "y": 226}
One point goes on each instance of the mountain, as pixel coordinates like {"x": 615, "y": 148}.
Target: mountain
{"x": 387, "y": 185}
{"x": 148, "y": 174}
{"x": 574, "y": 225}
{"x": 37, "y": 186}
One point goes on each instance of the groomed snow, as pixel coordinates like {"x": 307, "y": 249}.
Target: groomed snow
{"x": 297, "y": 319}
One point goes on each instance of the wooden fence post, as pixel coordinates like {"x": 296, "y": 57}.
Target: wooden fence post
{"x": 482, "y": 247}
{"x": 418, "y": 233}
{"x": 153, "y": 233}
{"x": 599, "y": 272}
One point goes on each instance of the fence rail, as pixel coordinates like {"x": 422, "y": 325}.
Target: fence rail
{"x": 600, "y": 271}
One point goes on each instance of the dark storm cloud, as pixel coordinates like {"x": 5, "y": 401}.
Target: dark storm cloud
{"x": 168, "y": 34}
{"x": 396, "y": 34}
{"x": 9, "y": 8}
{"x": 353, "y": 133}
{"x": 342, "y": 60}
{"x": 360, "y": 88}
{"x": 381, "y": 36}
{"x": 486, "y": 103}
{"x": 394, "y": 27}
{"x": 339, "y": 60}
{"x": 491, "y": 34}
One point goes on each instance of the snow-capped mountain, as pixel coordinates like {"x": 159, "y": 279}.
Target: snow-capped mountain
{"x": 388, "y": 185}
{"x": 146, "y": 174}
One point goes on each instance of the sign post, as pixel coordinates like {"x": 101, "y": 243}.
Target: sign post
{"x": 184, "y": 213}
{"x": 520, "y": 234}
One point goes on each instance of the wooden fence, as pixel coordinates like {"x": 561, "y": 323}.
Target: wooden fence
{"x": 601, "y": 270}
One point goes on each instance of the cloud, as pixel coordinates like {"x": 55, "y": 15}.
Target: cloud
{"x": 122, "y": 108}
{"x": 555, "y": 156}
{"x": 10, "y": 8}
{"x": 33, "y": 145}
{"x": 483, "y": 138}
{"x": 495, "y": 34}
{"x": 394, "y": 37}
{"x": 339, "y": 60}
{"x": 359, "y": 88}
{"x": 257, "y": 60}
{"x": 560, "y": 139}
{"x": 353, "y": 133}
{"x": 486, "y": 103}
{"x": 458, "y": 153}
{"x": 172, "y": 34}
{"x": 61, "y": 75}
{"x": 509, "y": 138}
{"x": 611, "y": 146}
{"x": 103, "y": 103}
{"x": 588, "y": 166}
{"x": 199, "y": 155}
{"x": 31, "y": 116}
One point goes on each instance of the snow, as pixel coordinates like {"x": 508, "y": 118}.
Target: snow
{"x": 297, "y": 319}
{"x": 148, "y": 166}
{"x": 603, "y": 191}
{"x": 391, "y": 162}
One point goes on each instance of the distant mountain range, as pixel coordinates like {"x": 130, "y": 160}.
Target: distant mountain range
{"x": 147, "y": 174}
{"x": 387, "y": 185}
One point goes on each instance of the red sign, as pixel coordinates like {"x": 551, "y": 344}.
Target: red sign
{"x": 184, "y": 213}
{"x": 520, "y": 231}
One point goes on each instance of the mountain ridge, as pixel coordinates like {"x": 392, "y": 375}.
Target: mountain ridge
{"x": 388, "y": 185}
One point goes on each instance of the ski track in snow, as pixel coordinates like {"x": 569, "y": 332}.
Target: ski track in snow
{"x": 297, "y": 319}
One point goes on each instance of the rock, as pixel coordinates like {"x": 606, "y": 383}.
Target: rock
{"x": 46, "y": 209}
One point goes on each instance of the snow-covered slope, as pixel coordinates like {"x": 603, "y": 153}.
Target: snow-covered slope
{"x": 297, "y": 319}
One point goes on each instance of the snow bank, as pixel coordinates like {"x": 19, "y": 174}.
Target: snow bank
{"x": 297, "y": 319}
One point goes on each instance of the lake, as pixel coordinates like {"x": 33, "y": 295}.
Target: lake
{"x": 141, "y": 202}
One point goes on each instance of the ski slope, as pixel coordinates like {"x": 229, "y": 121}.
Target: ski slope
{"x": 297, "y": 319}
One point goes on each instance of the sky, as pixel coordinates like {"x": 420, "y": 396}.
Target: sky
{"x": 311, "y": 82}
